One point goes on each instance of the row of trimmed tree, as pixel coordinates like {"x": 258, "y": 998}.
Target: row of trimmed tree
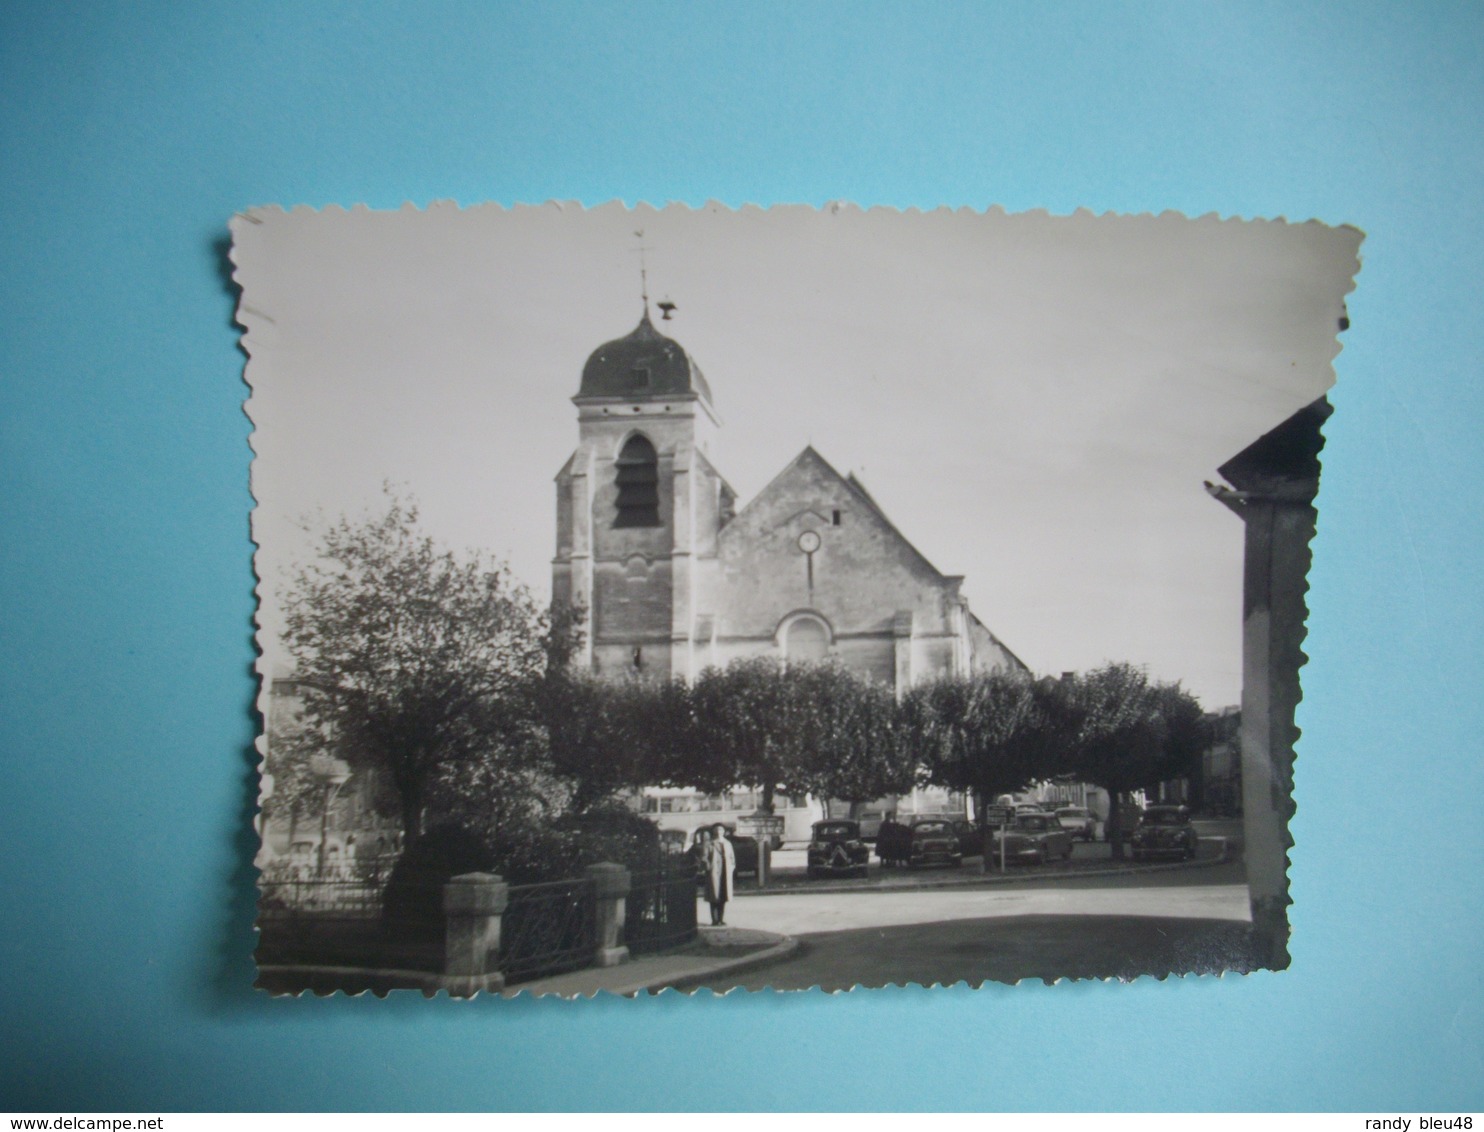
{"x": 448, "y": 678}
{"x": 825, "y": 731}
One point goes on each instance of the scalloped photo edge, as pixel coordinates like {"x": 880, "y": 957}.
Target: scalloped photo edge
{"x": 604, "y": 645}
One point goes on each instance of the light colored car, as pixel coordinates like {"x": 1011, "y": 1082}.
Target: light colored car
{"x": 1034, "y": 839}
{"x": 1080, "y": 823}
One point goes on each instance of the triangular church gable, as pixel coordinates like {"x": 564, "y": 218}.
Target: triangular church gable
{"x": 854, "y": 567}
{"x": 810, "y": 470}
{"x": 853, "y": 482}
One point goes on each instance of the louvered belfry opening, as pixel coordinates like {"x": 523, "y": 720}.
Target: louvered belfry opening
{"x": 638, "y": 485}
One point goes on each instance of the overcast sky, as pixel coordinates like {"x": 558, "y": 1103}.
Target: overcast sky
{"x": 1034, "y": 400}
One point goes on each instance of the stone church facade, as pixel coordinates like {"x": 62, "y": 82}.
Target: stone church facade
{"x": 674, "y": 577}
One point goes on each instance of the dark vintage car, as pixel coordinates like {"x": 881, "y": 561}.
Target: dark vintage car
{"x": 1164, "y": 831}
{"x": 934, "y": 841}
{"x": 1034, "y": 838}
{"x": 743, "y": 846}
{"x": 836, "y": 849}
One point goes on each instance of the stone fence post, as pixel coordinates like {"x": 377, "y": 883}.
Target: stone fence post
{"x": 610, "y": 889}
{"x": 472, "y": 907}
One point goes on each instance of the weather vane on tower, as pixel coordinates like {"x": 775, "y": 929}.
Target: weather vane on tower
{"x": 666, "y": 306}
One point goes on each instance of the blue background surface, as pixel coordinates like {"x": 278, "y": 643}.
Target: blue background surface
{"x": 130, "y": 133}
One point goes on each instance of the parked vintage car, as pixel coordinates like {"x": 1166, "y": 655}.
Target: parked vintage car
{"x": 934, "y": 842}
{"x": 744, "y": 847}
{"x": 1036, "y": 838}
{"x": 1081, "y": 823}
{"x": 1164, "y": 831}
{"x": 836, "y": 849}
{"x": 970, "y": 837}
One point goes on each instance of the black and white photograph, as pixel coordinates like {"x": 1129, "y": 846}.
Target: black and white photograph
{"x": 771, "y": 599}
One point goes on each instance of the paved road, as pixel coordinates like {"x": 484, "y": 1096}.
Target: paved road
{"x": 843, "y": 911}
{"x": 1117, "y": 926}
{"x": 1004, "y": 949}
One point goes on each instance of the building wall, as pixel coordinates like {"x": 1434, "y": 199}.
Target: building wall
{"x": 636, "y": 585}
{"x": 634, "y": 599}
{"x": 615, "y": 658}
{"x": 1221, "y": 764}
{"x": 869, "y": 586}
{"x": 864, "y": 572}
{"x": 708, "y": 586}
{"x": 354, "y": 830}
{"x": 986, "y": 653}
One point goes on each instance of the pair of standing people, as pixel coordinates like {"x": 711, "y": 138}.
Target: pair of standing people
{"x": 718, "y": 867}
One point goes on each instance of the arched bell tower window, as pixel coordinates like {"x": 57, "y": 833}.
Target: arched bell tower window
{"x": 638, "y": 481}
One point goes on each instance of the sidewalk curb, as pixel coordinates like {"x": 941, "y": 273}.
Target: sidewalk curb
{"x": 785, "y": 947}
{"x": 693, "y": 980}
{"x": 976, "y": 881}
{"x": 429, "y": 983}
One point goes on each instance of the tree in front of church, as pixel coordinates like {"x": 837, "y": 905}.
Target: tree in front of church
{"x": 801, "y": 729}
{"x": 741, "y": 730}
{"x": 1126, "y": 733}
{"x": 850, "y": 744}
{"x": 420, "y": 663}
{"x": 607, "y": 736}
{"x": 986, "y": 734}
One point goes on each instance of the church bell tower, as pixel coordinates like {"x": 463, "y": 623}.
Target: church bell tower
{"x": 638, "y": 508}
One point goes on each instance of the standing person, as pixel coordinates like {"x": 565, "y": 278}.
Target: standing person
{"x": 721, "y": 863}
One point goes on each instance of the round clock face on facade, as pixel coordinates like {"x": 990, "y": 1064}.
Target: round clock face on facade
{"x": 809, "y": 542}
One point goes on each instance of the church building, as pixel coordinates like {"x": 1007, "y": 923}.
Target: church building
{"x": 673, "y": 576}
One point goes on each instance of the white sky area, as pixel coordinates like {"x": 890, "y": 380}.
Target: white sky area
{"x": 1034, "y": 400}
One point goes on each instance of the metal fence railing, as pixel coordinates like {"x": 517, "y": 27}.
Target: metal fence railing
{"x": 661, "y": 909}
{"x": 350, "y": 891}
{"x": 339, "y": 918}
{"x": 334, "y": 917}
{"x": 547, "y": 929}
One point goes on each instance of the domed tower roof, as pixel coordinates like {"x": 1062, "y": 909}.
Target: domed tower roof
{"x": 643, "y": 364}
